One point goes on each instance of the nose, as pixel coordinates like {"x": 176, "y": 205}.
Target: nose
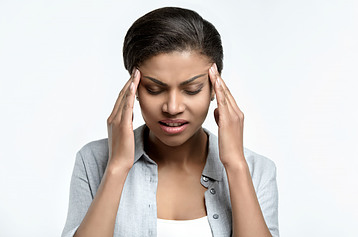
{"x": 173, "y": 103}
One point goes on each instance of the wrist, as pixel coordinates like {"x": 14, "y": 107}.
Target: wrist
{"x": 237, "y": 164}
{"x": 115, "y": 168}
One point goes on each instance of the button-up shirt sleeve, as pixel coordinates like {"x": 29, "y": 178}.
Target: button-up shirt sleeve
{"x": 80, "y": 198}
{"x": 263, "y": 173}
{"x": 267, "y": 195}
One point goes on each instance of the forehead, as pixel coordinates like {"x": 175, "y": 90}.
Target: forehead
{"x": 177, "y": 66}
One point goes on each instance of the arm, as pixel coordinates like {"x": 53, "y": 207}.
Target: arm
{"x": 247, "y": 217}
{"x": 100, "y": 218}
{"x": 81, "y": 199}
{"x": 101, "y": 215}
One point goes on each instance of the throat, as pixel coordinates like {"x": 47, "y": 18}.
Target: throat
{"x": 193, "y": 151}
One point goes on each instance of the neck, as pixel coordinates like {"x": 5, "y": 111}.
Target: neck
{"x": 192, "y": 152}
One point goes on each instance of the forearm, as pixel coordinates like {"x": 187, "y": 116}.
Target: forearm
{"x": 101, "y": 215}
{"x": 247, "y": 218}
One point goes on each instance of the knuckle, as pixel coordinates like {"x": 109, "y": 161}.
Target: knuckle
{"x": 223, "y": 101}
{"x": 242, "y": 116}
{"x": 127, "y": 94}
{"x": 221, "y": 88}
{"x": 126, "y": 106}
{"x": 236, "y": 118}
{"x": 116, "y": 122}
{"x": 109, "y": 120}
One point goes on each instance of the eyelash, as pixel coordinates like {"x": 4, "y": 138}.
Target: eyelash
{"x": 186, "y": 91}
{"x": 193, "y": 92}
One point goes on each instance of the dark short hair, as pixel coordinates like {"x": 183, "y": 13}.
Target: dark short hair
{"x": 169, "y": 29}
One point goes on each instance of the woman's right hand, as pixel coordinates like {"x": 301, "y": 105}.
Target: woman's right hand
{"x": 120, "y": 126}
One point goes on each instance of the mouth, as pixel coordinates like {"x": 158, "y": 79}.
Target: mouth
{"x": 173, "y": 122}
{"x": 173, "y": 126}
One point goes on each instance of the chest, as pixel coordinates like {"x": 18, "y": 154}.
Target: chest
{"x": 180, "y": 196}
{"x": 148, "y": 195}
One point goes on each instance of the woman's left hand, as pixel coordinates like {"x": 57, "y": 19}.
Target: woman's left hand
{"x": 230, "y": 120}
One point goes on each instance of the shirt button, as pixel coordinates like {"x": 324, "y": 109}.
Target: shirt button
{"x": 216, "y": 216}
{"x": 205, "y": 179}
{"x": 212, "y": 191}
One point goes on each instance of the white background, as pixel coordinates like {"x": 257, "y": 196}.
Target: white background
{"x": 291, "y": 65}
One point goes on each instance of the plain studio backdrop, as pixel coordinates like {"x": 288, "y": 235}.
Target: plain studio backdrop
{"x": 291, "y": 65}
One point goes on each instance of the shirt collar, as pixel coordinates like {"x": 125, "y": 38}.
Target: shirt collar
{"x": 139, "y": 142}
{"x": 213, "y": 167}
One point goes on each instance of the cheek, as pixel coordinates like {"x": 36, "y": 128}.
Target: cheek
{"x": 200, "y": 105}
{"x": 148, "y": 105}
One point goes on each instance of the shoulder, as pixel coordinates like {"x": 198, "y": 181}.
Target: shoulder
{"x": 255, "y": 161}
{"x": 258, "y": 161}
{"x": 95, "y": 153}
{"x": 260, "y": 166}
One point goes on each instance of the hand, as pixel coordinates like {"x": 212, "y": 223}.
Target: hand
{"x": 230, "y": 121}
{"x": 120, "y": 125}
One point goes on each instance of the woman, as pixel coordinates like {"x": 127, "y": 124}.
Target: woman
{"x": 171, "y": 177}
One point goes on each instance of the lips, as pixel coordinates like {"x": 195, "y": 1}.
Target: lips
{"x": 173, "y": 126}
{"x": 173, "y": 123}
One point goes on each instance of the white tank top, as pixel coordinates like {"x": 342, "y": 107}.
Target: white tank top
{"x": 189, "y": 228}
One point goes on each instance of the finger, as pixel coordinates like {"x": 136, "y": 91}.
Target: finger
{"x": 227, "y": 92}
{"x": 230, "y": 98}
{"x": 136, "y": 78}
{"x": 119, "y": 99}
{"x": 216, "y": 82}
{"x": 226, "y": 110}
{"x": 127, "y": 110}
{"x": 212, "y": 75}
{"x": 222, "y": 102}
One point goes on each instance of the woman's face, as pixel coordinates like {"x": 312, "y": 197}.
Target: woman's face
{"x": 174, "y": 95}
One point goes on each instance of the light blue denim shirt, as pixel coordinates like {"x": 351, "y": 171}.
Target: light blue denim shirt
{"x": 137, "y": 211}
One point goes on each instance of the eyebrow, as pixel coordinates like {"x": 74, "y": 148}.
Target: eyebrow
{"x": 182, "y": 84}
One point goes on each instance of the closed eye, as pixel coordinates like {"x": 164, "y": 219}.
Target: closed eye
{"x": 193, "y": 92}
{"x": 157, "y": 91}
{"x": 153, "y": 91}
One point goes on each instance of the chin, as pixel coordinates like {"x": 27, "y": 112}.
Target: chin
{"x": 173, "y": 140}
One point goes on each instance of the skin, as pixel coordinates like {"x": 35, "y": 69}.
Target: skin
{"x": 188, "y": 150}
{"x": 175, "y": 101}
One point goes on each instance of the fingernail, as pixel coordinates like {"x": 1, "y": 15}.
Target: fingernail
{"x": 216, "y": 67}
{"x": 131, "y": 87}
{"x": 212, "y": 69}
